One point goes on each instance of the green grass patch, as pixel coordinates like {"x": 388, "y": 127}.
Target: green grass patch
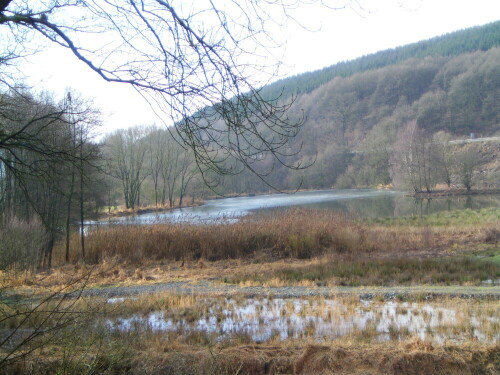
{"x": 444, "y": 218}
{"x": 492, "y": 256}
{"x": 494, "y": 259}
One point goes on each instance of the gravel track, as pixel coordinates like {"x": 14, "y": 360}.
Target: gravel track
{"x": 209, "y": 288}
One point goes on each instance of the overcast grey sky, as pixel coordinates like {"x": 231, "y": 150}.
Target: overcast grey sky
{"x": 323, "y": 38}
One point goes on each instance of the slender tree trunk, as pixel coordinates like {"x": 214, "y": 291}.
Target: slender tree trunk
{"x": 48, "y": 250}
{"x": 68, "y": 217}
{"x": 70, "y": 198}
{"x": 82, "y": 228}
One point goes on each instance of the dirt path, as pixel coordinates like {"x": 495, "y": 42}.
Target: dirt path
{"x": 217, "y": 289}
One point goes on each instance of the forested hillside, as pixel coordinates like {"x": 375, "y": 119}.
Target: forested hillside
{"x": 449, "y": 87}
{"x": 480, "y": 38}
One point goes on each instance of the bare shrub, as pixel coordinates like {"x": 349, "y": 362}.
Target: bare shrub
{"x": 492, "y": 235}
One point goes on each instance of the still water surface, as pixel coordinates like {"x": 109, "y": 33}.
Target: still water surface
{"x": 261, "y": 320}
{"x": 357, "y": 203}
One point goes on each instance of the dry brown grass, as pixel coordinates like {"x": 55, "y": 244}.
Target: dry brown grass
{"x": 271, "y": 245}
{"x": 300, "y": 234}
{"x": 413, "y": 357}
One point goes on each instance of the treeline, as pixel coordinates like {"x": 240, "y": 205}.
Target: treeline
{"x": 54, "y": 176}
{"x": 49, "y": 174}
{"x": 148, "y": 166}
{"x": 479, "y": 38}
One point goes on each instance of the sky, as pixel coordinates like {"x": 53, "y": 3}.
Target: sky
{"x": 323, "y": 38}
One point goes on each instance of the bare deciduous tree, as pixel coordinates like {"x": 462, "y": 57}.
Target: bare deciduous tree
{"x": 126, "y": 153}
{"x": 37, "y": 155}
{"x": 198, "y": 63}
{"x": 186, "y": 173}
{"x": 444, "y": 156}
{"x": 413, "y": 159}
{"x": 468, "y": 160}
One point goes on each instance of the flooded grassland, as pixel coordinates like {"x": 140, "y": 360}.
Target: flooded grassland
{"x": 263, "y": 320}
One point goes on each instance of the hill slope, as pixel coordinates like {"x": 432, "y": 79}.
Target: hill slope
{"x": 448, "y": 84}
{"x": 479, "y": 38}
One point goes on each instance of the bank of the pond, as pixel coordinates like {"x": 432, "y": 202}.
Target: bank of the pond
{"x": 354, "y": 203}
{"x": 145, "y": 210}
{"x": 454, "y": 193}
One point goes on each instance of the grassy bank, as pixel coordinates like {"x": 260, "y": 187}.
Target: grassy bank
{"x": 456, "y": 218}
{"x": 118, "y": 211}
{"x": 158, "y": 357}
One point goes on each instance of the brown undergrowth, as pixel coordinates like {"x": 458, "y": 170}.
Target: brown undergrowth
{"x": 414, "y": 357}
{"x": 296, "y": 246}
{"x": 298, "y": 234}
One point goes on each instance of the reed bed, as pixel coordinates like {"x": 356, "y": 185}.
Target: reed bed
{"x": 297, "y": 233}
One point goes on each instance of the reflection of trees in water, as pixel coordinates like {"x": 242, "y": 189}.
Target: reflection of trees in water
{"x": 408, "y": 206}
{"x": 368, "y": 207}
{"x": 371, "y": 207}
{"x": 468, "y": 202}
{"x": 400, "y": 205}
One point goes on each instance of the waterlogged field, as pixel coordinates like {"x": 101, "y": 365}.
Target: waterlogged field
{"x": 262, "y": 320}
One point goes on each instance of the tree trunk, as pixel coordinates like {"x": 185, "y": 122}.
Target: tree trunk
{"x": 82, "y": 228}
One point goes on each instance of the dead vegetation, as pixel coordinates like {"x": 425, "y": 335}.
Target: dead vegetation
{"x": 303, "y": 247}
{"x": 411, "y": 358}
{"x": 298, "y": 247}
{"x": 298, "y": 234}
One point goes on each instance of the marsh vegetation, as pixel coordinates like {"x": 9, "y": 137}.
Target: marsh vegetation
{"x": 213, "y": 333}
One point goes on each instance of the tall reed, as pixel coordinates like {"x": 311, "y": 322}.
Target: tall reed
{"x": 297, "y": 233}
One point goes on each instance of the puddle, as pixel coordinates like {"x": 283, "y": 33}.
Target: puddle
{"x": 114, "y": 300}
{"x": 261, "y": 320}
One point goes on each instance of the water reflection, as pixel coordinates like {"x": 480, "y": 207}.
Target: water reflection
{"x": 264, "y": 319}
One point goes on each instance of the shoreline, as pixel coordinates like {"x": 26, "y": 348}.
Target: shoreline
{"x": 145, "y": 210}
{"x": 436, "y": 194}
{"x": 454, "y": 193}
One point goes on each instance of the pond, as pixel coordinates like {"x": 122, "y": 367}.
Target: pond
{"x": 357, "y": 203}
{"x": 265, "y": 319}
